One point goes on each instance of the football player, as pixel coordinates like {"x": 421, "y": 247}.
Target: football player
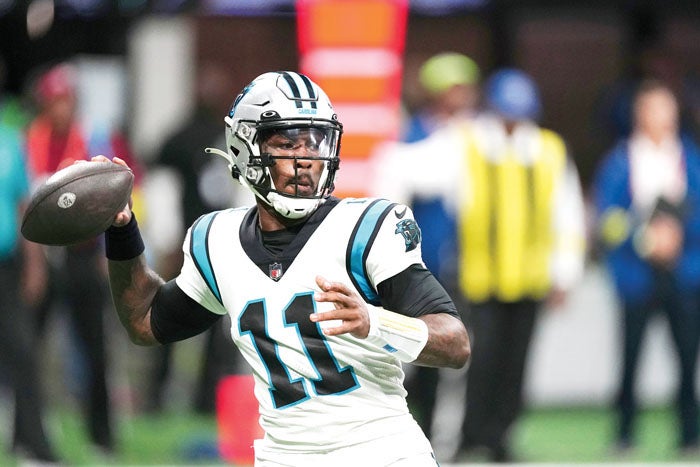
{"x": 327, "y": 297}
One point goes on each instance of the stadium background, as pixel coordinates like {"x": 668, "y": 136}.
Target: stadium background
{"x": 144, "y": 53}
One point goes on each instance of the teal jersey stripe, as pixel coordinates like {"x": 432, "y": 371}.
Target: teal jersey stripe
{"x": 199, "y": 249}
{"x": 360, "y": 243}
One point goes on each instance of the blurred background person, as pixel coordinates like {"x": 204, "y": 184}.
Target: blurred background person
{"x": 518, "y": 241}
{"x": 450, "y": 82}
{"x": 22, "y": 282}
{"x": 204, "y": 187}
{"x": 654, "y": 60}
{"x": 647, "y": 201}
{"x": 77, "y": 280}
{"x": 522, "y": 246}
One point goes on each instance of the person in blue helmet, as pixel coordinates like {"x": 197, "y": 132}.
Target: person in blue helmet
{"x": 519, "y": 237}
{"x": 522, "y": 242}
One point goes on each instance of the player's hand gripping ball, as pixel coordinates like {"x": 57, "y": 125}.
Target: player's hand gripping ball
{"x": 77, "y": 203}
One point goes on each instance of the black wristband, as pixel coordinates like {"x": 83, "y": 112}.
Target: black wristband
{"x": 124, "y": 243}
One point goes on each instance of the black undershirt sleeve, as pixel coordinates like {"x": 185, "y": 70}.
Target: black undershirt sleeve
{"x": 175, "y": 316}
{"x": 415, "y": 292}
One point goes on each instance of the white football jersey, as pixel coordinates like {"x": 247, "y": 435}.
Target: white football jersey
{"x": 316, "y": 392}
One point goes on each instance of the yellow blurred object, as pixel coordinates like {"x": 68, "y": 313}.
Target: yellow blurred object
{"x": 139, "y": 204}
{"x": 445, "y": 70}
{"x": 506, "y": 222}
{"x": 614, "y": 227}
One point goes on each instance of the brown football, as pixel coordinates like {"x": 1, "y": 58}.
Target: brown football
{"x": 77, "y": 203}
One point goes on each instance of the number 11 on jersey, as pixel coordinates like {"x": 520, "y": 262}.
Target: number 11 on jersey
{"x": 285, "y": 391}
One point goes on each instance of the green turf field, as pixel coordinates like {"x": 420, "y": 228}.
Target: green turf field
{"x": 585, "y": 436}
{"x": 552, "y": 436}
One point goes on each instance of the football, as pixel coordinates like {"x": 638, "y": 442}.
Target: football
{"x": 77, "y": 203}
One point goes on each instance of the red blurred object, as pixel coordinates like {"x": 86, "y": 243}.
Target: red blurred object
{"x": 354, "y": 50}
{"x": 57, "y": 82}
{"x": 237, "y": 418}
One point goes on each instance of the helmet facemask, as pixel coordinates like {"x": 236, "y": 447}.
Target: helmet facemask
{"x": 304, "y": 142}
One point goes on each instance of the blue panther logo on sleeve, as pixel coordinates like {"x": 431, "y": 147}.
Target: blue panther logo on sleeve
{"x": 410, "y": 231}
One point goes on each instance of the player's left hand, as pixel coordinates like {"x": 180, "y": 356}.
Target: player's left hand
{"x": 350, "y": 309}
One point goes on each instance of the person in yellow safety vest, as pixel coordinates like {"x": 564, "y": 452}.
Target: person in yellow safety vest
{"x": 519, "y": 206}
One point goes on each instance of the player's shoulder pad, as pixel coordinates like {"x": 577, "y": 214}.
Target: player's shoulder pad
{"x": 374, "y": 212}
{"x": 199, "y": 250}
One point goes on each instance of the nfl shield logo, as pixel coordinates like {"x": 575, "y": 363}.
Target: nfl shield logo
{"x": 275, "y": 271}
